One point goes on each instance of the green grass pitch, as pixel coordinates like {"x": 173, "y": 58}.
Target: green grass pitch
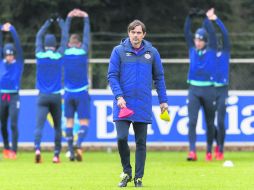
{"x": 101, "y": 170}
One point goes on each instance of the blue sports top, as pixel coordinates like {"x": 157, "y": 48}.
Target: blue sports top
{"x": 11, "y": 73}
{"x": 202, "y": 62}
{"x": 49, "y": 66}
{"x": 223, "y": 57}
{"x": 75, "y": 61}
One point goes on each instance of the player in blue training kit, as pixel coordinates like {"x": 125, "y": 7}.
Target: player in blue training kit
{"x": 76, "y": 98}
{"x": 11, "y": 68}
{"x": 49, "y": 68}
{"x": 221, "y": 84}
{"x": 134, "y": 65}
{"x": 201, "y": 78}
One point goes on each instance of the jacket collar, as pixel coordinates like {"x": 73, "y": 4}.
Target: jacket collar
{"x": 128, "y": 46}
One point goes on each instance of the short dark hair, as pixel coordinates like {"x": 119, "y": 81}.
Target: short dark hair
{"x": 136, "y": 23}
{"x": 75, "y": 38}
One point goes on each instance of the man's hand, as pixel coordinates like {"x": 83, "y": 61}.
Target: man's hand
{"x": 211, "y": 15}
{"x": 77, "y": 13}
{"x": 71, "y": 13}
{"x": 80, "y": 13}
{"x": 164, "y": 107}
{"x": 84, "y": 14}
{"x": 121, "y": 102}
{"x": 6, "y": 27}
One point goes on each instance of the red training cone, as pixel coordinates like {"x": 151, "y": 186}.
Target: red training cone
{"x": 125, "y": 112}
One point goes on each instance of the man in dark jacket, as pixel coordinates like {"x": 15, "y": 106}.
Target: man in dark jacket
{"x": 134, "y": 65}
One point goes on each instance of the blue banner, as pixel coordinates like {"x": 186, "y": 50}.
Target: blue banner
{"x": 239, "y": 119}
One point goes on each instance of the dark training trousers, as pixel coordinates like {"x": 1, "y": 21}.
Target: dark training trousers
{"x": 140, "y": 130}
{"x": 221, "y": 96}
{"x": 201, "y": 97}
{"x": 49, "y": 103}
{"x": 9, "y": 106}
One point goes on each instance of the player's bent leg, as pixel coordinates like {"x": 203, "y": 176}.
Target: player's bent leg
{"x": 42, "y": 111}
{"x": 55, "y": 109}
{"x": 82, "y": 132}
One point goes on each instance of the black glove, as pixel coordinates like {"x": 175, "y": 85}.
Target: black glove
{"x": 54, "y": 17}
{"x": 58, "y": 19}
{"x": 51, "y": 20}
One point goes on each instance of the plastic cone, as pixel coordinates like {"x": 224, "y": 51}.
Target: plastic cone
{"x": 125, "y": 112}
{"x": 165, "y": 116}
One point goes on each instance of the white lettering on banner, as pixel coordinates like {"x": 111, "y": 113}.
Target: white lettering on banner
{"x": 246, "y": 123}
{"x": 103, "y": 119}
{"x": 179, "y": 119}
{"x": 150, "y": 130}
{"x": 233, "y": 116}
{"x": 182, "y": 124}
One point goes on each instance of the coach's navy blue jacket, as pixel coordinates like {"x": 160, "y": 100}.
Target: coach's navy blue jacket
{"x": 131, "y": 74}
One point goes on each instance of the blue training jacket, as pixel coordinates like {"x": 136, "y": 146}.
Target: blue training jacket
{"x": 75, "y": 61}
{"x": 11, "y": 73}
{"x": 223, "y": 57}
{"x": 202, "y": 63}
{"x": 49, "y": 66}
{"x": 130, "y": 74}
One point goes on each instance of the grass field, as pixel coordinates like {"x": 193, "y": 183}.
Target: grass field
{"x": 101, "y": 170}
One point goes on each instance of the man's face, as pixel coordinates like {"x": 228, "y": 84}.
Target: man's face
{"x": 9, "y": 58}
{"x": 199, "y": 44}
{"x": 136, "y": 36}
{"x": 76, "y": 44}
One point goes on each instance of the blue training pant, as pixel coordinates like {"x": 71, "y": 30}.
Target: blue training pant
{"x": 140, "y": 130}
{"x": 221, "y": 96}
{"x": 49, "y": 103}
{"x": 201, "y": 97}
{"x": 9, "y": 106}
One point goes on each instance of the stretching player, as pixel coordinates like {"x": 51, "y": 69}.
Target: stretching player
{"x": 49, "y": 70}
{"x": 76, "y": 98}
{"x": 222, "y": 79}
{"x": 201, "y": 81}
{"x": 11, "y": 68}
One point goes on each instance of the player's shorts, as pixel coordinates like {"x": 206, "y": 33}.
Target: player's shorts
{"x": 77, "y": 102}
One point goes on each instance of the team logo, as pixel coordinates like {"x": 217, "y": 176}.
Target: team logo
{"x": 147, "y": 56}
{"x": 128, "y": 54}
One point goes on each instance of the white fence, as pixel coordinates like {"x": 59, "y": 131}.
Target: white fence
{"x": 166, "y": 61}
